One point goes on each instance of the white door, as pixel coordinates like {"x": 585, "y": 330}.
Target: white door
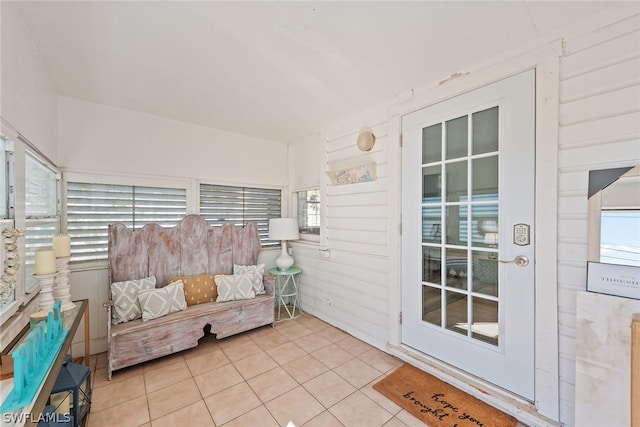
{"x": 467, "y": 232}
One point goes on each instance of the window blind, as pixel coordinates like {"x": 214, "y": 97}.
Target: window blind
{"x": 92, "y": 207}
{"x": 220, "y": 204}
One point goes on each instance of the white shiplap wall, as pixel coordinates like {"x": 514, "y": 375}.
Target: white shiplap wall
{"x": 599, "y": 128}
{"x": 350, "y": 288}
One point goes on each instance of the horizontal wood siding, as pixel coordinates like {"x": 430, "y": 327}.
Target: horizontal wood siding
{"x": 599, "y": 128}
{"x": 350, "y": 289}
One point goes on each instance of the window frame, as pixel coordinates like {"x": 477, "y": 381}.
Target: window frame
{"x": 53, "y": 218}
{"x": 305, "y": 235}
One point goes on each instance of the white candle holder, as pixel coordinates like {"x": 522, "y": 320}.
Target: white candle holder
{"x": 45, "y": 281}
{"x": 62, "y": 289}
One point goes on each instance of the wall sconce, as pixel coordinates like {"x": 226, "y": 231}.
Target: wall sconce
{"x": 366, "y": 140}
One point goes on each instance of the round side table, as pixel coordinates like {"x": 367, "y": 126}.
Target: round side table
{"x": 287, "y": 292}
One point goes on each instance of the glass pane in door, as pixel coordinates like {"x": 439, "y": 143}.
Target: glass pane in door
{"x": 485, "y": 325}
{"x": 485, "y": 131}
{"x": 431, "y": 305}
{"x": 431, "y": 265}
{"x": 432, "y": 184}
{"x": 432, "y": 144}
{"x": 457, "y": 312}
{"x": 456, "y": 185}
{"x": 457, "y": 137}
{"x": 485, "y": 225}
{"x": 460, "y": 217}
{"x": 485, "y": 273}
{"x": 485, "y": 178}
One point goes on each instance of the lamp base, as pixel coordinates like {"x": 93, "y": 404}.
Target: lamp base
{"x": 284, "y": 261}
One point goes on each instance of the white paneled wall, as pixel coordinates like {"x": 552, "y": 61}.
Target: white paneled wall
{"x": 350, "y": 288}
{"x": 92, "y": 285}
{"x": 599, "y": 128}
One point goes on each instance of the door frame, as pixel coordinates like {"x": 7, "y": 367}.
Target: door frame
{"x": 546, "y": 61}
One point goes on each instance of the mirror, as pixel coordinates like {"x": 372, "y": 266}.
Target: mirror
{"x": 614, "y": 216}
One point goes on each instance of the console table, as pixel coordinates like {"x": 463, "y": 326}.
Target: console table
{"x": 71, "y": 320}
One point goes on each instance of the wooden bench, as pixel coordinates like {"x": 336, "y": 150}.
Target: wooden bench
{"x": 190, "y": 248}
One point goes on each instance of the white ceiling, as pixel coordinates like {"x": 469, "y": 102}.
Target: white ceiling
{"x": 273, "y": 69}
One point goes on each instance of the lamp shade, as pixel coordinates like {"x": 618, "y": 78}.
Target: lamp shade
{"x": 283, "y": 229}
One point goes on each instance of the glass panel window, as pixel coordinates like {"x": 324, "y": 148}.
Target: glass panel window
{"x": 432, "y": 143}
{"x": 456, "y": 174}
{"x": 309, "y": 211}
{"x": 220, "y": 204}
{"x": 92, "y": 207}
{"x": 460, "y": 218}
{"x": 4, "y": 178}
{"x": 485, "y": 325}
{"x": 485, "y": 178}
{"x": 457, "y": 137}
{"x": 620, "y": 237}
{"x": 431, "y": 184}
{"x": 431, "y": 265}
{"x": 42, "y": 212}
{"x": 432, "y": 305}
{"x": 485, "y": 131}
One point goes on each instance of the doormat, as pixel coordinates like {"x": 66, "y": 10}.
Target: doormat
{"x": 437, "y": 403}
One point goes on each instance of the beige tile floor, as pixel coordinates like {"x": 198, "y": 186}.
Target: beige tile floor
{"x": 303, "y": 370}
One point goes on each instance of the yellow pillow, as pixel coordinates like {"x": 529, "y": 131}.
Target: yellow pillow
{"x": 198, "y": 289}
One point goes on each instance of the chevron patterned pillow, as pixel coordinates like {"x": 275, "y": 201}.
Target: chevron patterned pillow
{"x": 256, "y": 271}
{"x": 233, "y": 287}
{"x": 162, "y": 301}
{"x": 125, "y": 298}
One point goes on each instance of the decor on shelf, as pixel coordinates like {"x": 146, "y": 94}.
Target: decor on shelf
{"x": 45, "y": 261}
{"x": 45, "y": 283}
{"x": 62, "y": 245}
{"x": 45, "y": 273}
{"x": 366, "y": 140}
{"x": 33, "y": 359}
{"x": 354, "y": 175}
{"x": 283, "y": 229}
{"x": 61, "y": 288}
{"x": 11, "y": 264}
{"x": 74, "y": 380}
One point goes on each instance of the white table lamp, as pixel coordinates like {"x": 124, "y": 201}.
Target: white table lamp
{"x": 283, "y": 229}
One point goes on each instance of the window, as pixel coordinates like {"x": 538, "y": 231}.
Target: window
{"x": 9, "y": 285}
{"x": 309, "y": 211}
{"x": 7, "y": 178}
{"x": 42, "y": 212}
{"x": 619, "y": 231}
{"x": 92, "y": 207}
{"x": 220, "y": 204}
{"x": 4, "y": 184}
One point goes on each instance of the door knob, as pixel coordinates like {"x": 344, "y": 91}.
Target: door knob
{"x": 520, "y": 261}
